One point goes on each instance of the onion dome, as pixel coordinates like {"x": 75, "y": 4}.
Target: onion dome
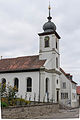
{"x": 49, "y": 26}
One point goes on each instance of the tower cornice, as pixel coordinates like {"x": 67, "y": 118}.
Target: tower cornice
{"x": 48, "y": 33}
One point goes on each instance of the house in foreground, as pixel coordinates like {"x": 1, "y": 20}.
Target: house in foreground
{"x": 40, "y": 76}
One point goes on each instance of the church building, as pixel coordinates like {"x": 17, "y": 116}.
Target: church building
{"x": 40, "y": 76}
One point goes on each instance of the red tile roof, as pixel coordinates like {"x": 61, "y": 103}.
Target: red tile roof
{"x": 78, "y": 90}
{"x": 66, "y": 75}
{"x": 21, "y": 63}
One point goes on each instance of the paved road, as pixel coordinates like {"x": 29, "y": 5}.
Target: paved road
{"x": 62, "y": 114}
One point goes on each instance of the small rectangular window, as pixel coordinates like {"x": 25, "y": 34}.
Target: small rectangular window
{"x": 64, "y": 85}
{"x": 64, "y": 95}
{"x": 61, "y": 95}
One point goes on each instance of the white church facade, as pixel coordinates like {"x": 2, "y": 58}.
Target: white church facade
{"x": 40, "y": 76}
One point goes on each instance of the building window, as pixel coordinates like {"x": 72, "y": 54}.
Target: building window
{"x": 3, "y": 86}
{"x": 46, "y": 40}
{"x": 64, "y": 85}
{"x": 64, "y": 95}
{"x": 73, "y": 96}
{"x": 56, "y": 62}
{"x": 56, "y": 44}
{"x": 16, "y": 83}
{"x": 57, "y": 81}
{"x": 29, "y": 84}
{"x": 47, "y": 85}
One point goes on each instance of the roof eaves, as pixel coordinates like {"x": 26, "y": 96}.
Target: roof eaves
{"x": 47, "y": 33}
{"x": 23, "y": 70}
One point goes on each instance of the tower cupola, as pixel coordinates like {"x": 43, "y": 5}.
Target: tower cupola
{"x": 49, "y": 26}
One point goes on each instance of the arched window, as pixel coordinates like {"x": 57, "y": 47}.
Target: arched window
{"x": 46, "y": 40}
{"x": 56, "y": 62}
{"x": 57, "y": 81}
{"x": 56, "y": 44}
{"x": 16, "y": 83}
{"x": 47, "y": 85}
{"x": 3, "y": 84}
{"x": 29, "y": 84}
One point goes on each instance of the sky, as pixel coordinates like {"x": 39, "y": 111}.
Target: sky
{"x": 22, "y": 20}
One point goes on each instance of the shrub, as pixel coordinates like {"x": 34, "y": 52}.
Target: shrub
{"x": 3, "y": 99}
{"x": 27, "y": 102}
{"x": 20, "y": 101}
{"x": 3, "y": 104}
{"x": 9, "y": 97}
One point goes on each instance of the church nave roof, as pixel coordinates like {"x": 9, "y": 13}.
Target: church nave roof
{"x": 21, "y": 63}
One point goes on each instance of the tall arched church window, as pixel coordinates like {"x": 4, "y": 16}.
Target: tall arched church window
{"x": 29, "y": 84}
{"x": 56, "y": 62}
{"x": 3, "y": 84}
{"x": 46, "y": 41}
{"x": 16, "y": 83}
{"x": 47, "y": 85}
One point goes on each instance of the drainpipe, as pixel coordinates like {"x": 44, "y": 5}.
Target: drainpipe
{"x": 71, "y": 94}
{"x": 39, "y": 85}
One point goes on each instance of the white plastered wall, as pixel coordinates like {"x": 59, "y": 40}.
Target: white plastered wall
{"x": 23, "y": 82}
{"x": 66, "y": 90}
{"x": 73, "y": 100}
{"x": 53, "y": 86}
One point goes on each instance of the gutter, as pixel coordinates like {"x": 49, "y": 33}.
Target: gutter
{"x": 17, "y": 71}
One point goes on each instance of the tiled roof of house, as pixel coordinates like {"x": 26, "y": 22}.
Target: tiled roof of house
{"x": 21, "y": 63}
{"x": 78, "y": 90}
{"x": 67, "y": 76}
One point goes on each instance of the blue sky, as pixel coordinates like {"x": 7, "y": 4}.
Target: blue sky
{"x": 22, "y": 20}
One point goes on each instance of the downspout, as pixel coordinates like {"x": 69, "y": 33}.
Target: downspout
{"x": 39, "y": 84}
{"x": 71, "y": 94}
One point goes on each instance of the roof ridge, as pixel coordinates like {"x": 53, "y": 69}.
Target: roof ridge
{"x": 18, "y": 57}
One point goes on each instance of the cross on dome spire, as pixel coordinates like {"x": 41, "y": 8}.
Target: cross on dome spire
{"x": 49, "y": 26}
{"x": 49, "y": 18}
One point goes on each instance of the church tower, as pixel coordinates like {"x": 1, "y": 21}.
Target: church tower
{"x": 49, "y": 44}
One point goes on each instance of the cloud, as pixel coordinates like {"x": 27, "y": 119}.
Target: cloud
{"x": 21, "y": 20}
